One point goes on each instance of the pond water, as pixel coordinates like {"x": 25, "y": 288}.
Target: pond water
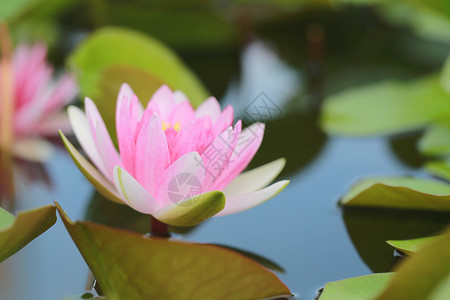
{"x": 302, "y": 229}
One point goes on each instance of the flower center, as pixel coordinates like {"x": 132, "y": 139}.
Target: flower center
{"x": 167, "y": 125}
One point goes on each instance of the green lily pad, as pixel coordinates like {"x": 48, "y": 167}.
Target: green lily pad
{"x": 113, "y": 46}
{"x": 399, "y": 192}
{"x": 144, "y": 84}
{"x": 439, "y": 168}
{"x": 356, "y": 288}
{"x": 436, "y": 140}
{"x": 16, "y": 233}
{"x": 410, "y": 246}
{"x": 130, "y": 266}
{"x": 445, "y": 78}
{"x": 424, "y": 275}
{"x": 387, "y": 107}
{"x": 269, "y": 264}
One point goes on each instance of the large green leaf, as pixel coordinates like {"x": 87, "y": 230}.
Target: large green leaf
{"x": 130, "y": 266}
{"x": 423, "y": 276}
{"x": 13, "y": 10}
{"x": 143, "y": 83}
{"x": 410, "y": 246}
{"x": 15, "y": 233}
{"x": 356, "y": 288}
{"x": 386, "y": 107}
{"x": 112, "y": 47}
{"x": 399, "y": 192}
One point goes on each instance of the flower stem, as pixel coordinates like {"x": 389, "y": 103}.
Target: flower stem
{"x": 6, "y": 111}
{"x": 159, "y": 228}
{"x": 6, "y": 89}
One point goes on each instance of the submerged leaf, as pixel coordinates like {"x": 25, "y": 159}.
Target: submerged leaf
{"x": 399, "y": 192}
{"x": 15, "y": 233}
{"x": 130, "y": 266}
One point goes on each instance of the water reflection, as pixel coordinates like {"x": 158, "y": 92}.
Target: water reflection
{"x": 369, "y": 229}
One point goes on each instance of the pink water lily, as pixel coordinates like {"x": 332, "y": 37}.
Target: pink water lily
{"x": 178, "y": 164}
{"x": 36, "y": 101}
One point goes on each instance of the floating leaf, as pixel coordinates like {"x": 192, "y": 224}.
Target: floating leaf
{"x": 15, "y": 233}
{"x": 399, "y": 192}
{"x": 269, "y": 264}
{"x": 445, "y": 78}
{"x": 410, "y": 246}
{"x": 385, "y": 108}
{"x": 439, "y": 168}
{"x": 112, "y": 47}
{"x": 109, "y": 82}
{"x": 424, "y": 275}
{"x": 130, "y": 266}
{"x": 436, "y": 140}
{"x": 356, "y": 288}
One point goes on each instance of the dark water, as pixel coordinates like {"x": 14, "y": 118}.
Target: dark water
{"x": 301, "y": 229}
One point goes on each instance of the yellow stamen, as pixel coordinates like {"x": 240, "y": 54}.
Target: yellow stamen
{"x": 167, "y": 125}
{"x": 177, "y": 126}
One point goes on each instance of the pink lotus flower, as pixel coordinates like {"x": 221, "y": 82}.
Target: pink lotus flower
{"x": 37, "y": 101}
{"x": 178, "y": 164}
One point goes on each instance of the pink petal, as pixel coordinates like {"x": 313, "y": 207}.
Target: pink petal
{"x": 128, "y": 114}
{"x": 179, "y": 96}
{"x": 193, "y": 137}
{"x": 182, "y": 113}
{"x": 50, "y": 125}
{"x": 162, "y": 102}
{"x": 217, "y": 155}
{"x": 102, "y": 139}
{"x": 209, "y": 108}
{"x": 224, "y": 121}
{"x": 246, "y": 147}
{"x": 152, "y": 154}
{"x": 62, "y": 93}
{"x": 183, "y": 179}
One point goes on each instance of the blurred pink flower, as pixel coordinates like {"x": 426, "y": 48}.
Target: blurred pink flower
{"x": 178, "y": 164}
{"x": 38, "y": 101}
